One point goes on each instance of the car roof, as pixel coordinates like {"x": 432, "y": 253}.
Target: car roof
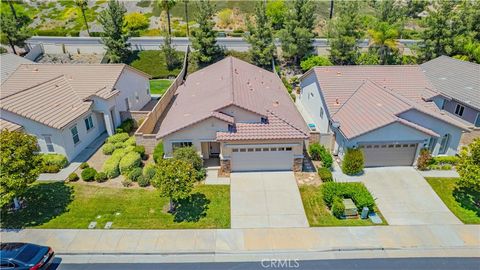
{"x": 20, "y": 252}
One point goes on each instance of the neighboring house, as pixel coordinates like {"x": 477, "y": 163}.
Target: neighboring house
{"x": 458, "y": 86}
{"x": 238, "y": 112}
{"x": 380, "y": 109}
{"x": 9, "y": 63}
{"x": 67, "y": 106}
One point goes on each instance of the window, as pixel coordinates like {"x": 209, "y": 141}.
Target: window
{"x": 281, "y": 149}
{"x": 273, "y": 149}
{"x": 231, "y": 128}
{"x": 48, "y": 141}
{"x": 258, "y": 149}
{"x": 321, "y": 112}
{"x": 75, "y": 137}
{"x": 148, "y": 91}
{"x": 176, "y": 145}
{"x": 266, "y": 149}
{"x": 288, "y": 149}
{"x": 459, "y": 110}
{"x": 250, "y": 150}
{"x": 235, "y": 150}
{"x": 264, "y": 120}
{"x": 444, "y": 144}
{"x": 243, "y": 150}
{"x": 89, "y": 123}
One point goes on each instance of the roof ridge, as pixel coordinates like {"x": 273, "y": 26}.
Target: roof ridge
{"x": 231, "y": 80}
{"x": 350, "y": 97}
{"x": 288, "y": 123}
{"x": 394, "y": 94}
{"x": 33, "y": 86}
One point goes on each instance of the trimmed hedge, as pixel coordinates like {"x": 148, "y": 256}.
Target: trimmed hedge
{"x": 89, "y": 174}
{"x": 355, "y": 191}
{"x": 119, "y": 137}
{"x": 57, "y": 160}
{"x": 129, "y": 162}
{"x": 119, "y": 145}
{"x": 353, "y": 162}
{"x": 84, "y": 165}
{"x": 110, "y": 167}
{"x": 338, "y": 208}
{"x": 108, "y": 148}
{"x": 127, "y": 125}
{"x": 135, "y": 174}
{"x": 143, "y": 181}
{"x": 325, "y": 174}
{"x": 141, "y": 150}
{"x": 158, "y": 152}
{"x": 149, "y": 171}
{"x": 73, "y": 177}
{"x": 452, "y": 160}
{"x": 131, "y": 141}
{"x": 101, "y": 177}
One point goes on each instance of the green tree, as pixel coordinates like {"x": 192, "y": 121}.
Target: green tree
{"x": 189, "y": 155}
{"x": 115, "y": 38}
{"x": 343, "y": 33}
{"x": 19, "y": 166}
{"x": 166, "y": 6}
{"x": 368, "y": 58}
{"x": 276, "y": 13}
{"x": 14, "y": 32}
{"x": 314, "y": 61}
{"x": 174, "y": 179}
{"x": 170, "y": 53}
{"x": 83, "y": 5}
{"x": 260, "y": 37}
{"x": 383, "y": 40}
{"x": 390, "y": 11}
{"x": 297, "y": 34}
{"x": 204, "y": 37}
{"x": 135, "y": 22}
{"x": 468, "y": 168}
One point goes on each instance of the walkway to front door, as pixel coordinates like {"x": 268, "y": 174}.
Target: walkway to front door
{"x": 266, "y": 199}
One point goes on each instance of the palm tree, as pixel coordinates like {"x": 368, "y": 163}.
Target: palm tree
{"x": 383, "y": 38}
{"x": 166, "y": 5}
{"x": 83, "y": 5}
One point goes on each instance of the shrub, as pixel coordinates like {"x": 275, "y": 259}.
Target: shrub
{"x": 143, "y": 181}
{"x": 89, "y": 174}
{"x": 158, "y": 152}
{"x": 424, "y": 159}
{"x": 314, "y": 61}
{"x": 338, "y": 208}
{"x": 356, "y": 191}
{"x": 353, "y": 162}
{"x": 101, "y": 177}
{"x": 314, "y": 150}
{"x": 119, "y": 145}
{"x": 110, "y": 167}
{"x": 130, "y": 141}
{"x": 73, "y": 177}
{"x": 50, "y": 168}
{"x": 84, "y": 165}
{"x": 129, "y": 162}
{"x": 126, "y": 182}
{"x": 294, "y": 98}
{"x": 55, "y": 159}
{"x": 201, "y": 174}
{"x": 119, "y": 137}
{"x": 319, "y": 152}
{"x": 134, "y": 174}
{"x": 149, "y": 171}
{"x": 325, "y": 174}
{"x": 452, "y": 160}
{"x": 189, "y": 155}
{"x": 140, "y": 149}
{"x": 129, "y": 148}
{"x": 127, "y": 126}
{"x": 108, "y": 148}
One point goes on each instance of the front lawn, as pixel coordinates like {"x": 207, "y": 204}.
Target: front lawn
{"x": 73, "y": 206}
{"x": 159, "y": 86}
{"x": 460, "y": 202}
{"x": 318, "y": 214}
{"x": 154, "y": 64}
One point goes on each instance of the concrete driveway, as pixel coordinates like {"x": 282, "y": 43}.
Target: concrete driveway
{"x": 405, "y": 198}
{"x": 266, "y": 199}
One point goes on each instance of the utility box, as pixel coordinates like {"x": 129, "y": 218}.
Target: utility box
{"x": 364, "y": 214}
{"x": 351, "y": 210}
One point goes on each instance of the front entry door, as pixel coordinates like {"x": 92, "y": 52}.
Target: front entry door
{"x": 214, "y": 149}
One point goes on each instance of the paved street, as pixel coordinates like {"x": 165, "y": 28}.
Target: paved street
{"x": 405, "y": 198}
{"x": 266, "y": 199}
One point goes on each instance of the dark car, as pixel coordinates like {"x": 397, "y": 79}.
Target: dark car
{"x": 25, "y": 256}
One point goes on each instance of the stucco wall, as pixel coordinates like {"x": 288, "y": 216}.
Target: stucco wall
{"x": 128, "y": 84}
{"x": 241, "y": 115}
{"x": 312, "y": 101}
{"x": 469, "y": 114}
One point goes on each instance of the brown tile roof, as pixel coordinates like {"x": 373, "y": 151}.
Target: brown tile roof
{"x": 5, "y": 124}
{"x": 363, "y": 98}
{"x": 231, "y": 82}
{"x": 56, "y": 94}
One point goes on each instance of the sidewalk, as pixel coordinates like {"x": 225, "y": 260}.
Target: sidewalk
{"x": 248, "y": 241}
{"x": 439, "y": 173}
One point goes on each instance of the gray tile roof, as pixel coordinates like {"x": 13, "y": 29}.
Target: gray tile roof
{"x": 456, "y": 79}
{"x": 9, "y": 63}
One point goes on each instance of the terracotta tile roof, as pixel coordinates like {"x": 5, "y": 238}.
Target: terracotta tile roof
{"x": 229, "y": 82}
{"x": 5, "y": 124}
{"x": 9, "y": 63}
{"x": 57, "y": 94}
{"x": 363, "y": 98}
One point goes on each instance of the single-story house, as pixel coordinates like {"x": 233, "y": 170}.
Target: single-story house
{"x": 9, "y": 62}
{"x": 67, "y": 106}
{"x": 458, "y": 86}
{"x": 239, "y": 113}
{"x": 384, "y": 110}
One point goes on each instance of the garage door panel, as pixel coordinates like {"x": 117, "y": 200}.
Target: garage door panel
{"x": 262, "y": 158}
{"x": 399, "y": 154}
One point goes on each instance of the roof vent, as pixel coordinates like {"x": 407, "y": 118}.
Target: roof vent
{"x": 35, "y": 70}
{"x": 236, "y": 71}
{"x": 339, "y": 73}
{"x": 276, "y": 103}
{"x": 337, "y": 102}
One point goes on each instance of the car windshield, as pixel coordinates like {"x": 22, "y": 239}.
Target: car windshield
{"x": 28, "y": 253}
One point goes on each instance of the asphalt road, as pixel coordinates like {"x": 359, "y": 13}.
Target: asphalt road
{"x": 350, "y": 264}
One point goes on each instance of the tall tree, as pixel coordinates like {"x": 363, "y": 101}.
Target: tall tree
{"x": 115, "y": 38}
{"x": 174, "y": 179}
{"x": 19, "y": 165}
{"x": 12, "y": 8}
{"x": 297, "y": 34}
{"x": 390, "y": 11}
{"x": 14, "y": 31}
{"x": 83, "y": 5}
{"x": 276, "y": 13}
{"x": 260, "y": 37}
{"x": 469, "y": 169}
{"x": 185, "y": 7}
{"x": 343, "y": 33}
{"x": 383, "y": 40}
{"x": 170, "y": 53}
{"x": 204, "y": 37}
{"x": 166, "y": 5}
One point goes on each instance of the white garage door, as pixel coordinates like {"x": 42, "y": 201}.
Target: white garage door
{"x": 262, "y": 158}
{"x": 377, "y": 155}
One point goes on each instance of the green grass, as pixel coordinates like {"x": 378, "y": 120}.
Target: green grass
{"x": 318, "y": 214}
{"x": 459, "y": 201}
{"x": 159, "y": 86}
{"x": 74, "y": 206}
{"x": 153, "y": 63}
